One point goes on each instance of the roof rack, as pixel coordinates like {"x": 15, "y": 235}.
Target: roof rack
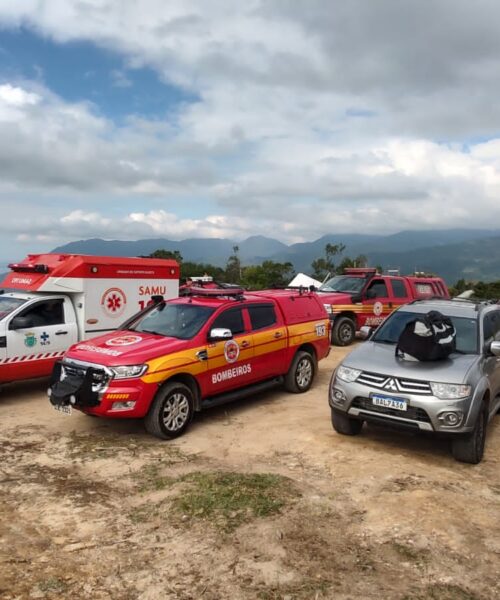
{"x": 222, "y": 292}
{"x": 302, "y": 289}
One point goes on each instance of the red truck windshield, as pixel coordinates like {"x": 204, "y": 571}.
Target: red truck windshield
{"x": 182, "y": 321}
{"x": 343, "y": 283}
{"x": 7, "y": 305}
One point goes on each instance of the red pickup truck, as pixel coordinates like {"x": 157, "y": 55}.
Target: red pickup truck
{"x": 362, "y": 296}
{"x": 204, "y": 349}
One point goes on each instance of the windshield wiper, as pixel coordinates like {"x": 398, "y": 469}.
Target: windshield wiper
{"x": 153, "y": 332}
{"x": 384, "y": 341}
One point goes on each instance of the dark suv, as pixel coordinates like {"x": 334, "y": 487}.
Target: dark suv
{"x": 455, "y": 396}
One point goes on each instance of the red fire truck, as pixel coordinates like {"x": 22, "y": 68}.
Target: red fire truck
{"x": 51, "y": 301}
{"x": 362, "y": 296}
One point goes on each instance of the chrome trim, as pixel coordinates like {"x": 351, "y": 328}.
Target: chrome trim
{"x": 394, "y": 384}
{"x": 380, "y": 416}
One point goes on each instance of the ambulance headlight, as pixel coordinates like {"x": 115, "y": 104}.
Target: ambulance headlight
{"x": 128, "y": 371}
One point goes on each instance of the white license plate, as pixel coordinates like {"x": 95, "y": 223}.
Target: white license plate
{"x": 389, "y": 402}
{"x": 66, "y": 408}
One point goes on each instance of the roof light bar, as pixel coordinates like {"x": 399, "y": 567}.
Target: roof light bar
{"x": 28, "y": 268}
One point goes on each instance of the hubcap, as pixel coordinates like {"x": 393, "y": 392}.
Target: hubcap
{"x": 175, "y": 411}
{"x": 345, "y": 333}
{"x": 304, "y": 373}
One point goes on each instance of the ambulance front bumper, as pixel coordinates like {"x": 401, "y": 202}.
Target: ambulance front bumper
{"x": 92, "y": 389}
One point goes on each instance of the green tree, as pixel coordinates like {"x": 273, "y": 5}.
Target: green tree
{"x": 324, "y": 265}
{"x": 170, "y": 254}
{"x": 268, "y": 274}
{"x": 193, "y": 269}
{"x": 346, "y": 263}
{"x": 233, "y": 267}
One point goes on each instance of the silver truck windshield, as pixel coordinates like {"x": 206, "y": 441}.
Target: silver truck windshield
{"x": 181, "y": 321}
{"x": 343, "y": 283}
{"x": 7, "y": 305}
{"x": 392, "y": 327}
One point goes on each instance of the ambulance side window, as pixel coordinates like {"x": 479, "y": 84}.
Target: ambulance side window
{"x": 41, "y": 314}
{"x": 230, "y": 319}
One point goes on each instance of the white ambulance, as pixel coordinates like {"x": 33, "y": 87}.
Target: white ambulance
{"x": 51, "y": 301}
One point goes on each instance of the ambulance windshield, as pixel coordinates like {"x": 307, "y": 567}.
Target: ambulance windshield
{"x": 182, "y": 321}
{"x": 8, "y": 304}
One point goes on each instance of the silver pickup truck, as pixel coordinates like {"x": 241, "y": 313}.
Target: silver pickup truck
{"x": 455, "y": 396}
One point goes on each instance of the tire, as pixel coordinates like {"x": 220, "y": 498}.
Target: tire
{"x": 344, "y": 424}
{"x": 470, "y": 448}
{"x": 343, "y": 332}
{"x": 301, "y": 373}
{"x": 170, "y": 412}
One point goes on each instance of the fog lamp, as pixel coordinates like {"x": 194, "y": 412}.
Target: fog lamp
{"x": 128, "y": 405}
{"x": 451, "y": 419}
{"x": 339, "y": 397}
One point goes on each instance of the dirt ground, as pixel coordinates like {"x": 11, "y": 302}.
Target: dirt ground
{"x": 93, "y": 508}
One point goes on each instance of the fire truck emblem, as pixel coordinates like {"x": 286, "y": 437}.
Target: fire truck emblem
{"x": 378, "y": 309}
{"x": 114, "y": 302}
{"x": 231, "y": 351}
{"x": 124, "y": 340}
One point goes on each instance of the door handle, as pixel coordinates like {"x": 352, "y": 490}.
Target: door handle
{"x": 245, "y": 344}
{"x": 202, "y": 355}
{"x": 278, "y": 334}
{"x": 61, "y": 332}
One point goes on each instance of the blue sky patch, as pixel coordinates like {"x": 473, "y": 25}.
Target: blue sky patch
{"x": 79, "y": 71}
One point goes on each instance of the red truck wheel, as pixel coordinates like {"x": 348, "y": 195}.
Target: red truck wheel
{"x": 344, "y": 331}
{"x": 171, "y": 411}
{"x": 300, "y": 374}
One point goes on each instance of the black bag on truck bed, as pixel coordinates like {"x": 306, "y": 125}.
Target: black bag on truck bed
{"x": 427, "y": 337}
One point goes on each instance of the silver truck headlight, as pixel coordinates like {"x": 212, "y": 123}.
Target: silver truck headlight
{"x": 347, "y": 374}
{"x": 450, "y": 391}
{"x": 128, "y": 371}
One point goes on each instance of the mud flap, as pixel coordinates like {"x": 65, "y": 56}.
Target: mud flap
{"x": 72, "y": 390}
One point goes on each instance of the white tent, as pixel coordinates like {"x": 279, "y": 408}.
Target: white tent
{"x": 301, "y": 279}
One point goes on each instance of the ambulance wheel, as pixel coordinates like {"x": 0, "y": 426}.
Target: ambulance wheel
{"x": 343, "y": 332}
{"x": 344, "y": 424}
{"x": 171, "y": 411}
{"x": 300, "y": 374}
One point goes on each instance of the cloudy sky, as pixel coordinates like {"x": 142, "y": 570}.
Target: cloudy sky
{"x": 211, "y": 118}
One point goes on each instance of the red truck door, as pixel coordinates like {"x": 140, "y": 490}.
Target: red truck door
{"x": 269, "y": 339}
{"x": 230, "y": 362}
{"x": 401, "y": 291}
{"x": 378, "y": 302}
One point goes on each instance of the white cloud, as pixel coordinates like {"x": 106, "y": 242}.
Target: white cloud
{"x": 308, "y": 120}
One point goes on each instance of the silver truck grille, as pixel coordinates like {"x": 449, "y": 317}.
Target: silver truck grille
{"x": 394, "y": 384}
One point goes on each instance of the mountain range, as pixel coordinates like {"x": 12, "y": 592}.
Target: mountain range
{"x": 452, "y": 253}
